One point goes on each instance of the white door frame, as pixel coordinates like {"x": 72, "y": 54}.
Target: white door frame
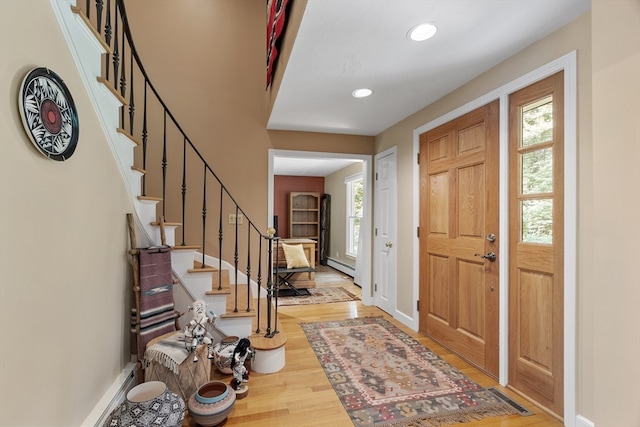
{"x": 364, "y": 259}
{"x": 376, "y": 250}
{"x": 568, "y": 63}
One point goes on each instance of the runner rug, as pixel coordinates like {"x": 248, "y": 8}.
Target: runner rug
{"x": 318, "y": 296}
{"x": 384, "y": 377}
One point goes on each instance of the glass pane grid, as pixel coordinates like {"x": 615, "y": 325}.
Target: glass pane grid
{"x": 536, "y": 171}
{"x": 536, "y": 221}
{"x": 537, "y": 122}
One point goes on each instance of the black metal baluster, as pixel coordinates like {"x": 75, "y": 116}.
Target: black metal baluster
{"x": 145, "y": 135}
{"x": 276, "y": 288}
{"x": 235, "y": 264}
{"x": 123, "y": 81}
{"x": 248, "y": 266}
{"x": 269, "y": 288}
{"x": 107, "y": 37}
{"x": 220, "y": 234}
{"x": 99, "y": 7}
{"x": 259, "y": 280}
{"x": 88, "y": 7}
{"x": 184, "y": 186}
{"x": 132, "y": 107}
{"x": 204, "y": 214}
{"x": 164, "y": 165}
{"x": 116, "y": 52}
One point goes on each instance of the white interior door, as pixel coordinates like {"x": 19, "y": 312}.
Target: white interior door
{"x": 385, "y": 225}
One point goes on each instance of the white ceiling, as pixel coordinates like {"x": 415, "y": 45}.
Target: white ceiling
{"x": 309, "y": 166}
{"x": 347, "y": 44}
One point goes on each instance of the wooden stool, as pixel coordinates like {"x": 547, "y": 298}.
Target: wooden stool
{"x": 190, "y": 376}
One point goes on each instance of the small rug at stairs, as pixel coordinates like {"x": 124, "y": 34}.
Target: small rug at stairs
{"x": 319, "y": 296}
{"x": 384, "y": 377}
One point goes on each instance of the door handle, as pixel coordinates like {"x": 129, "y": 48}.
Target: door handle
{"x": 388, "y": 244}
{"x": 491, "y": 256}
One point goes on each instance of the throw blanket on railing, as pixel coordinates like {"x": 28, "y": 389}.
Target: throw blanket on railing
{"x": 157, "y": 314}
{"x": 169, "y": 352}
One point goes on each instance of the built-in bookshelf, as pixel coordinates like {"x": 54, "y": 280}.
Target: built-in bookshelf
{"x": 304, "y": 215}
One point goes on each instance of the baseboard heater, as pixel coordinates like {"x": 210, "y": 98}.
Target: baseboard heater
{"x": 342, "y": 267}
{"x": 113, "y": 397}
{"x": 521, "y": 409}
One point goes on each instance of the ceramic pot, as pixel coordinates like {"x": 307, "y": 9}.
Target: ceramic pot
{"x": 149, "y": 404}
{"x": 211, "y": 403}
{"x": 223, "y": 353}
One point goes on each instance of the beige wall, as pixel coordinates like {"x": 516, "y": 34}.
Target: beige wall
{"x": 609, "y": 267}
{"x": 64, "y": 277}
{"x": 608, "y": 144}
{"x": 335, "y": 186}
{"x": 321, "y": 142}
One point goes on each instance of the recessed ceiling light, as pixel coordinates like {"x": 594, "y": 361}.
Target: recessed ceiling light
{"x": 422, "y": 32}
{"x": 361, "y": 93}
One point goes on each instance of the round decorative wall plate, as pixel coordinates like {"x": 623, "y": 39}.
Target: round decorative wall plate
{"x": 48, "y": 114}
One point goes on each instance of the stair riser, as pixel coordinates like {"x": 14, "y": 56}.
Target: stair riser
{"x": 268, "y": 362}
{"x": 217, "y": 304}
{"x": 169, "y": 233}
{"x": 235, "y": 326}
{"x": 181, "y": 261}
{"x": 197, "y": 283}
{"x": 146, "y": 210}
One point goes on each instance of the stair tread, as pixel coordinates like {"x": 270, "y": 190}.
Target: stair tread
{"x": 79, "y": 12}
{"x": 170, "y": 224}
{"x": 185, "y": 247}
{"x": 205, "y": 269}
{"x": 198, "y": 264}
{"x": 129, "y": 136}
{"x": 258, "y": 340}
{"x": 150, "y": 198}
{"x": 224, "y": 290}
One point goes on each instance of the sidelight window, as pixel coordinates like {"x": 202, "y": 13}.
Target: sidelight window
{"x": 535, "y": 155}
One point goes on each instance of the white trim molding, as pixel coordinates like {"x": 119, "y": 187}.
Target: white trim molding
{"x": 363, "y": 268}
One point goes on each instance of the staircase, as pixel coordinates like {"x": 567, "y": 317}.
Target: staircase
{"x": 243, "y": 306}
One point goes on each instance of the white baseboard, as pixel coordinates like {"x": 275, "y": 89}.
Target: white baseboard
{"x": 114, "y": 395}
{"x": 583, "y": 422}
{"x": 344, "y": 268}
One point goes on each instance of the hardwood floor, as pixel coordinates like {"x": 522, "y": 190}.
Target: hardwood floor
{"x": 300, "y": 394}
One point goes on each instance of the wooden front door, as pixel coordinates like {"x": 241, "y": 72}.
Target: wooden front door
{"x": 459, "y": 218}
{"x": 536, "y": 263}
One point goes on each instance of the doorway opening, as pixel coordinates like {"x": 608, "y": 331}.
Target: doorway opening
{"x": 312, "y": 164}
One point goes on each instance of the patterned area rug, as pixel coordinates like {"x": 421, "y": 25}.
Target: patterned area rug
{"x": 319, "y": 296}
{"x": 384, "y": 377}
